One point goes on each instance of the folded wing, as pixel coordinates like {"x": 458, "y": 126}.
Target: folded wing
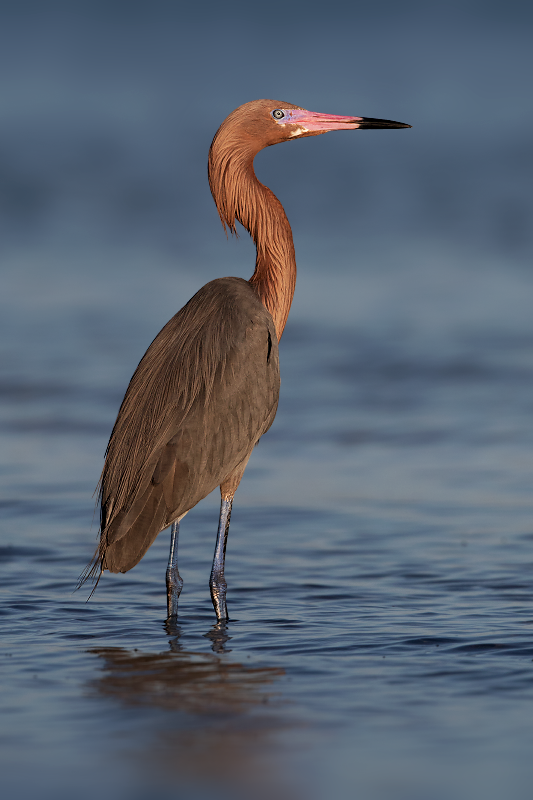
{"x": 202, "y": 396}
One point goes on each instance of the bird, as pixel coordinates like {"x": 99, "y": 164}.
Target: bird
{"x": 207, "y": 388}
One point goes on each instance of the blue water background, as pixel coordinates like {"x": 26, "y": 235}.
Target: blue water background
{"x": 381, "y": 549}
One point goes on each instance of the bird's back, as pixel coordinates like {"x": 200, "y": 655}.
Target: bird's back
{"x": 204, "y": 393}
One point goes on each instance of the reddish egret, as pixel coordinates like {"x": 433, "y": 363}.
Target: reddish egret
{"x": 207, "y": 388}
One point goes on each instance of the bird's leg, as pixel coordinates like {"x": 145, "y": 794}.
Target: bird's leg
{"x": 217, "y": 581}
{"x": 174, "y": 581}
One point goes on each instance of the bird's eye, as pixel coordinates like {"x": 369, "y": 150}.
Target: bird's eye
{"x": 278, "y": 113}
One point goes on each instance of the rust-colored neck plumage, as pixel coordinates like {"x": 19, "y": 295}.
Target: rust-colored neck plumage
{"x": 240, "y": 196}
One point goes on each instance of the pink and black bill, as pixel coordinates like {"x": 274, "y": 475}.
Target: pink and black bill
{"x": 310, "y": 121}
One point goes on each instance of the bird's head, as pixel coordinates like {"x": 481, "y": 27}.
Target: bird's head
{"x": 262, "y": 123}
{"x": 249, "y": 129}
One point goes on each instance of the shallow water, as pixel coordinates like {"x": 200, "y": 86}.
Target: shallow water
{"x": 379, "y": 570}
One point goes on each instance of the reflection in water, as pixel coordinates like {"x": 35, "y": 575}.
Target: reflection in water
{"x": 219, "y": 637}
{"x": 194, "y": 683}
{"x": 220, "y": 730}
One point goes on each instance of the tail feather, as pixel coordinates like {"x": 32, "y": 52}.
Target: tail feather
{"x": 127, "y": 539}
{"x": 124, "y": 552}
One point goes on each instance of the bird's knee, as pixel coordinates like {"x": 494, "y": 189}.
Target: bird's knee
{"x": 174, "y": 579}
{"x": 218, "y": 582}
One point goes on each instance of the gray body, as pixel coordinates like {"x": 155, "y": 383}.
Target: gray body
{"x": 204, "y": 393}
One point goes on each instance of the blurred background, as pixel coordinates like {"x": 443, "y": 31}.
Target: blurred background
{"x": 108, "y": 110}
{"x": 107, "y": 225}
{"x": 401, "y": 456}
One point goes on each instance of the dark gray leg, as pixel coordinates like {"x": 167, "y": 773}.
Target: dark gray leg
{"x": 174, "y": 581}
{"x": 217, "y": 582}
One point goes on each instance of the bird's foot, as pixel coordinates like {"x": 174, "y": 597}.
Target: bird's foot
{"x": 218, "y": 588}
{"x": 174, "y": 587}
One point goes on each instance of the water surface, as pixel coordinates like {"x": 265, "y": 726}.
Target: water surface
{"x": 379, "y": 570}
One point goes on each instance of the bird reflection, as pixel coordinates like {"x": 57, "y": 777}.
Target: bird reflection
{"x": 198, "y": 683}
{"x": 223, "y": 716}
{"x": 219, "y": 637}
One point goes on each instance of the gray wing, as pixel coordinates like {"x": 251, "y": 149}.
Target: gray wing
{"x": 202, "y": 396}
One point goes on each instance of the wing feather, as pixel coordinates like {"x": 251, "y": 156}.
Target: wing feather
{"x": 202, "y": 396}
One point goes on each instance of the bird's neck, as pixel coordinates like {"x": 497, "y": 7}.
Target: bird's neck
{"x": 240, "y": 196}
{"x": 274, "y": 277}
